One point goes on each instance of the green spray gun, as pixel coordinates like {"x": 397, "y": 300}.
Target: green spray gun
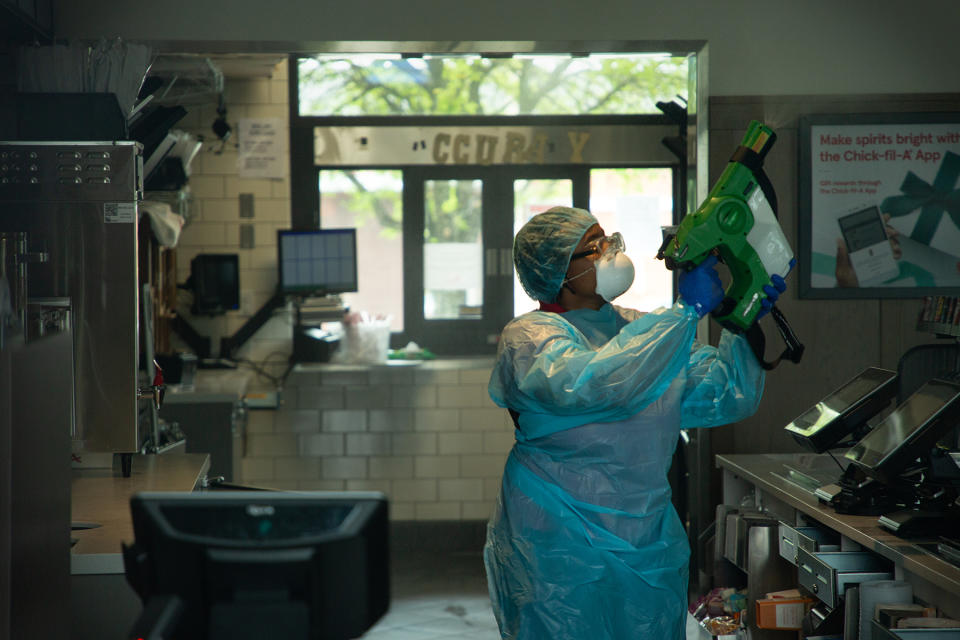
{"x": 738, "y": 223}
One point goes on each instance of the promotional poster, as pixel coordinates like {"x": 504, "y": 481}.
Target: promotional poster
{"x": 884, "y": 204}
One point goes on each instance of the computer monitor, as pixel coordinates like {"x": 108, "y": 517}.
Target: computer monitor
{"x": 317, "y": 262}
{"x": 259, "y": 564}
{"x": 215, "y": 282}
{"x": 909, "y": 431}
{"x": 845, "y": 410}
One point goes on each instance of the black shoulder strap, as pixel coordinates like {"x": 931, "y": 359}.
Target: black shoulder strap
{"x": 757, "y": 341}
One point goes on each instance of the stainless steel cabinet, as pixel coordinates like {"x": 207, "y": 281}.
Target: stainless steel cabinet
{"x": 211, "y": 424}
{"x": 36, "y": 394}
{"x": 76, "y": 203}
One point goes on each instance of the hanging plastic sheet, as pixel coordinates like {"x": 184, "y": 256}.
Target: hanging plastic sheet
{"x": 106, "y": 66}
{"x": 165, "y": 224}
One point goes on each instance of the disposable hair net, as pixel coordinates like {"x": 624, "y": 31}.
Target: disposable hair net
{"x": 543, "y": 246}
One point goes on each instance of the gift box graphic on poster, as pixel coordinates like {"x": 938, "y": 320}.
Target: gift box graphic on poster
{"x": 911, "y": 172}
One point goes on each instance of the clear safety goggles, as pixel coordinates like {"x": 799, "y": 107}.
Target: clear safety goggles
{"x": 613, "y": 243}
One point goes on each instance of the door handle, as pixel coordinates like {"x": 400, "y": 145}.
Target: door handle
{"x": 491, "y": 266}
{"x": 506, "y": 262}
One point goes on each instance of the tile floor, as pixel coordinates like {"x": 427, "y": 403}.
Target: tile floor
{"x": 443, "y": 596}
{"x": 437, "y": 596}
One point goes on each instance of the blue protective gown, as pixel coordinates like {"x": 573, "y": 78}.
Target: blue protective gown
{"x": 585, "y": 543}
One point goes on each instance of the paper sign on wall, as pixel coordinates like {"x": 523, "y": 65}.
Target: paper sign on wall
{"x": 262, "y": 148}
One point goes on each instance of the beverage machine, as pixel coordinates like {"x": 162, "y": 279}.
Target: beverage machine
{"x": 68, "y": 233}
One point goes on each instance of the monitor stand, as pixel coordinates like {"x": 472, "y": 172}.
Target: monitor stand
{"x": 216, "y": 363}
{"x": 310, "y": 343}
{"x": 862, "y": 495}
{"x": 159, "y": 618}
{"x": 920, "y": 523}
{"x": 949, "y": 548}
{"x": 935, "y": 508}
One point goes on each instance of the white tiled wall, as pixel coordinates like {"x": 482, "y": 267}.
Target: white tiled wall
{"x": 214, "y": 222}
{"x": 427, "y": 435}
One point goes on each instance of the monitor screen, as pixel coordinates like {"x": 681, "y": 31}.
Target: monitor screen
{"x": 215, "y": 281}
{"x": 319, "y": 261}
{"x": 260, "y": 564}
{"x": 844, "y": 410}
{"x": 916, "y": 424}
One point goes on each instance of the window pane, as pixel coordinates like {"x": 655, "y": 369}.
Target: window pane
{"x": 452, "y": 250}
{"x": 625, "y": 83}
{"x": 531, "y": 197}
{"x": 637, "y": 202}
{"x": 371, "y": 202}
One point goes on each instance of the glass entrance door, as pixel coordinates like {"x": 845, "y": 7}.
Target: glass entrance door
{"x": 530, "y": 197}
{"x": 461, "y": 287}
{"x": 637, "y": 202}
{"x": 435, "y": 243}
{"x": 453, "y": 279}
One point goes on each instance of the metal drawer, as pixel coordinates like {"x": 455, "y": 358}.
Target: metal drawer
{"x": 737, "y": 535}
{"x": 827, "y": 574}
{"x": 882, "y": 633}
{"x": 735, "y": 539}
{"x": 792, "y": 539}
{"x": 925, "y": 634}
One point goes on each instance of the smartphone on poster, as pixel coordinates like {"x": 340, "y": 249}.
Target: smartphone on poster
{"x": 871, "y": 255}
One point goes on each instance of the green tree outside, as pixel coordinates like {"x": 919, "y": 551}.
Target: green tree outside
{"x": 472, "y": 85}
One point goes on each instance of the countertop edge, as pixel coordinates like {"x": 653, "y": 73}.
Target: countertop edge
{"x": 863, "y": 530}
{"x": 96, "y": 564}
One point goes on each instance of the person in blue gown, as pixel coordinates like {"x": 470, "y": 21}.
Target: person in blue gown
{"x": 585, "y": 543}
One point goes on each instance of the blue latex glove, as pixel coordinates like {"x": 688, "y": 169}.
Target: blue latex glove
{"x": 701, "y": 287}
{"x": 773, "y": 292}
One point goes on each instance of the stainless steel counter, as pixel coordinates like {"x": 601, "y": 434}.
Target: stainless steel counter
{"x": 766, "y": 471}
{"x": 212, "y": 385}
{"x": 102, "y": 496}
{"x": 439, "y": 364}
{"x": 212, "y": 416}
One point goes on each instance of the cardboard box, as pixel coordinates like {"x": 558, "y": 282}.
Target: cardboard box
{"x": 782, "y": 613}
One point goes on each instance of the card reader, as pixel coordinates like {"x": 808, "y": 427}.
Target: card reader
{"x": 845, "y": 410}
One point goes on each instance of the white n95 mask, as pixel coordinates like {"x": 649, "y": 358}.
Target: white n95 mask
{"x": 614, "y": 275}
